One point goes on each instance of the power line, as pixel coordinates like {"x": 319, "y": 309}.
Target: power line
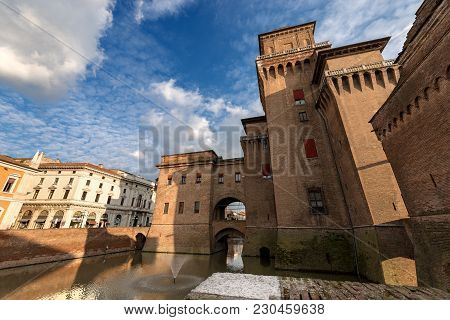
{"x": 97, "y": 65}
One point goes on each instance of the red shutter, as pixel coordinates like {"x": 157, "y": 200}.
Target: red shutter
{"x": 266, "y": 170}
{"x": 299, "y": 95}
{"x": 310, "y": 148}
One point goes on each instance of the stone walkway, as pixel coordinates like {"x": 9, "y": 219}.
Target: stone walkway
{"x": 248, "y": 286}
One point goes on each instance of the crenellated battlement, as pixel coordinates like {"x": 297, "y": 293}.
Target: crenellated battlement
{"x": 361, "y": 77}
{"x": 399, "y": 115}
{"x": 364, "y": 79}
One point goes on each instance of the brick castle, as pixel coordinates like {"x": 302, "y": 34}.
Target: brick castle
{"x": 319, "y": 191}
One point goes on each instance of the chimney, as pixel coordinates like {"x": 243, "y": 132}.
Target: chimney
{"x": 37, "y": 158}
{"x": 101, "y": 165}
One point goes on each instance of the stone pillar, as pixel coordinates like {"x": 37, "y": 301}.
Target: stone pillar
{"x": 85, "y": 216}
{"x": 97, "y": 218}
{"x": 65, "y": 223}
{"x": 48, "y": 222}
{"x": 33, "y": 218}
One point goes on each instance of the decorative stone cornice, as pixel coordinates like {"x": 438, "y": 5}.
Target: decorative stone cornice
{"x": 296, "y": 50}
{"x": 347, "y": 50}
{"x": 328, "y": 74}
{"x": 363, "y": 67}
{"x": 287, "y": 30}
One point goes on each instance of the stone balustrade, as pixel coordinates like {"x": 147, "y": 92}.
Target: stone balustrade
{"x": 363, "y": 67}
{"x": 276, "y": 54}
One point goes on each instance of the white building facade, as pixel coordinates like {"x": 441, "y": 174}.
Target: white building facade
{"x": 83, "y": 195}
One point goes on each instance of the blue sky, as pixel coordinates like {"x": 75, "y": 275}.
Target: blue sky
{"x": 181, "y": 70}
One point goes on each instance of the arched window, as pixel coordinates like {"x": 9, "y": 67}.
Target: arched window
{"x": 90, "y": 222}
{"x": 135, "y": 221}
{"x": 230, "y": 209}
{"x": 139, "y": 200}
{"x": 104, "y": 220}
{"x": 117, "y": 220}
{"x": 77, "y": 220}
{"x": 40, "y": 221}
{"x": 24, "y": 220}
{"x": 57, "y": 220}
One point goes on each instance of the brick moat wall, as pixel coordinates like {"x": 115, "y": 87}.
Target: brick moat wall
{"x": 25, "y": 247}
{"x": 431, "y": 236}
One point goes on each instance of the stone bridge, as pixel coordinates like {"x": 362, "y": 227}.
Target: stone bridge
{"x": 228, "y": 228}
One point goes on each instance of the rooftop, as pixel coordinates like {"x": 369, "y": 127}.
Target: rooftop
{"x": 13, "y": 161}
{"x": 284, "y": 30}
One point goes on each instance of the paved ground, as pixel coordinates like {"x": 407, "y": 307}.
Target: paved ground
{"x": 248, "y": 286}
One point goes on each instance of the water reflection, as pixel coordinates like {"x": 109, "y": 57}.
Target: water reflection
{"x": 132, "y": 275}
{"x": 235, "y": 263}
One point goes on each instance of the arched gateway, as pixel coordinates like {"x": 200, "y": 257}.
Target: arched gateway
{"x": 199, "y": 195}
{"x": 228, "y": 221}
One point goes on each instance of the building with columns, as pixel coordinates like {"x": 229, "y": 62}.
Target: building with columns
{"x": 318, "y": 190}
{"x": 79, "y": 195}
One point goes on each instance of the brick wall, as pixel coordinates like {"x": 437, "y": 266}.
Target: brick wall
{"x": 413, "y": 127}
{"x": 24, "y": 247}
{"x": 431, "y": 238}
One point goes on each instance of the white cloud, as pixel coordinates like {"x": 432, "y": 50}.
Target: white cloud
{"x": 193, "y": 121}
{"x": 346, "y": 22}
{"x": 340, "y": 21}
{"x": 34, "y": 63}
{"x": 136, "y": 154}
{"x": 154, "y": 9}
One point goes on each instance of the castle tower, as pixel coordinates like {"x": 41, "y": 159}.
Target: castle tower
{"x": 353, "y": 81}
{"x": 313, "y": 226}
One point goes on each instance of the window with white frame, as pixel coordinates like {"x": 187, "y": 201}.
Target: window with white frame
{"x": 10, "y": 183}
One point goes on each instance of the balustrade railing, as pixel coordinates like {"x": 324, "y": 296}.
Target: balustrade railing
{"x": 308, "y": 47}
{"x": 363, "y": 67}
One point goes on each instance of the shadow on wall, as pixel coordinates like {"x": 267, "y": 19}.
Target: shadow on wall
{"x": 386, "y": 255}
{"x": 28, "y": 247}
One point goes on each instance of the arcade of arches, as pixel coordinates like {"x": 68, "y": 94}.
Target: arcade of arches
{"x": 43, "y": 219}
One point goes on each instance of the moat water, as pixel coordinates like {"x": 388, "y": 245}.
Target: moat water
{"x": 131, "y": 275}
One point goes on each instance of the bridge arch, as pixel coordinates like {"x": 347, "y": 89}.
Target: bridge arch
{"x": 228, "y": 221}
{"x": 228, "y": 233}
{"x": 229, "y": 208}
{"x": 222, "y": 236}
